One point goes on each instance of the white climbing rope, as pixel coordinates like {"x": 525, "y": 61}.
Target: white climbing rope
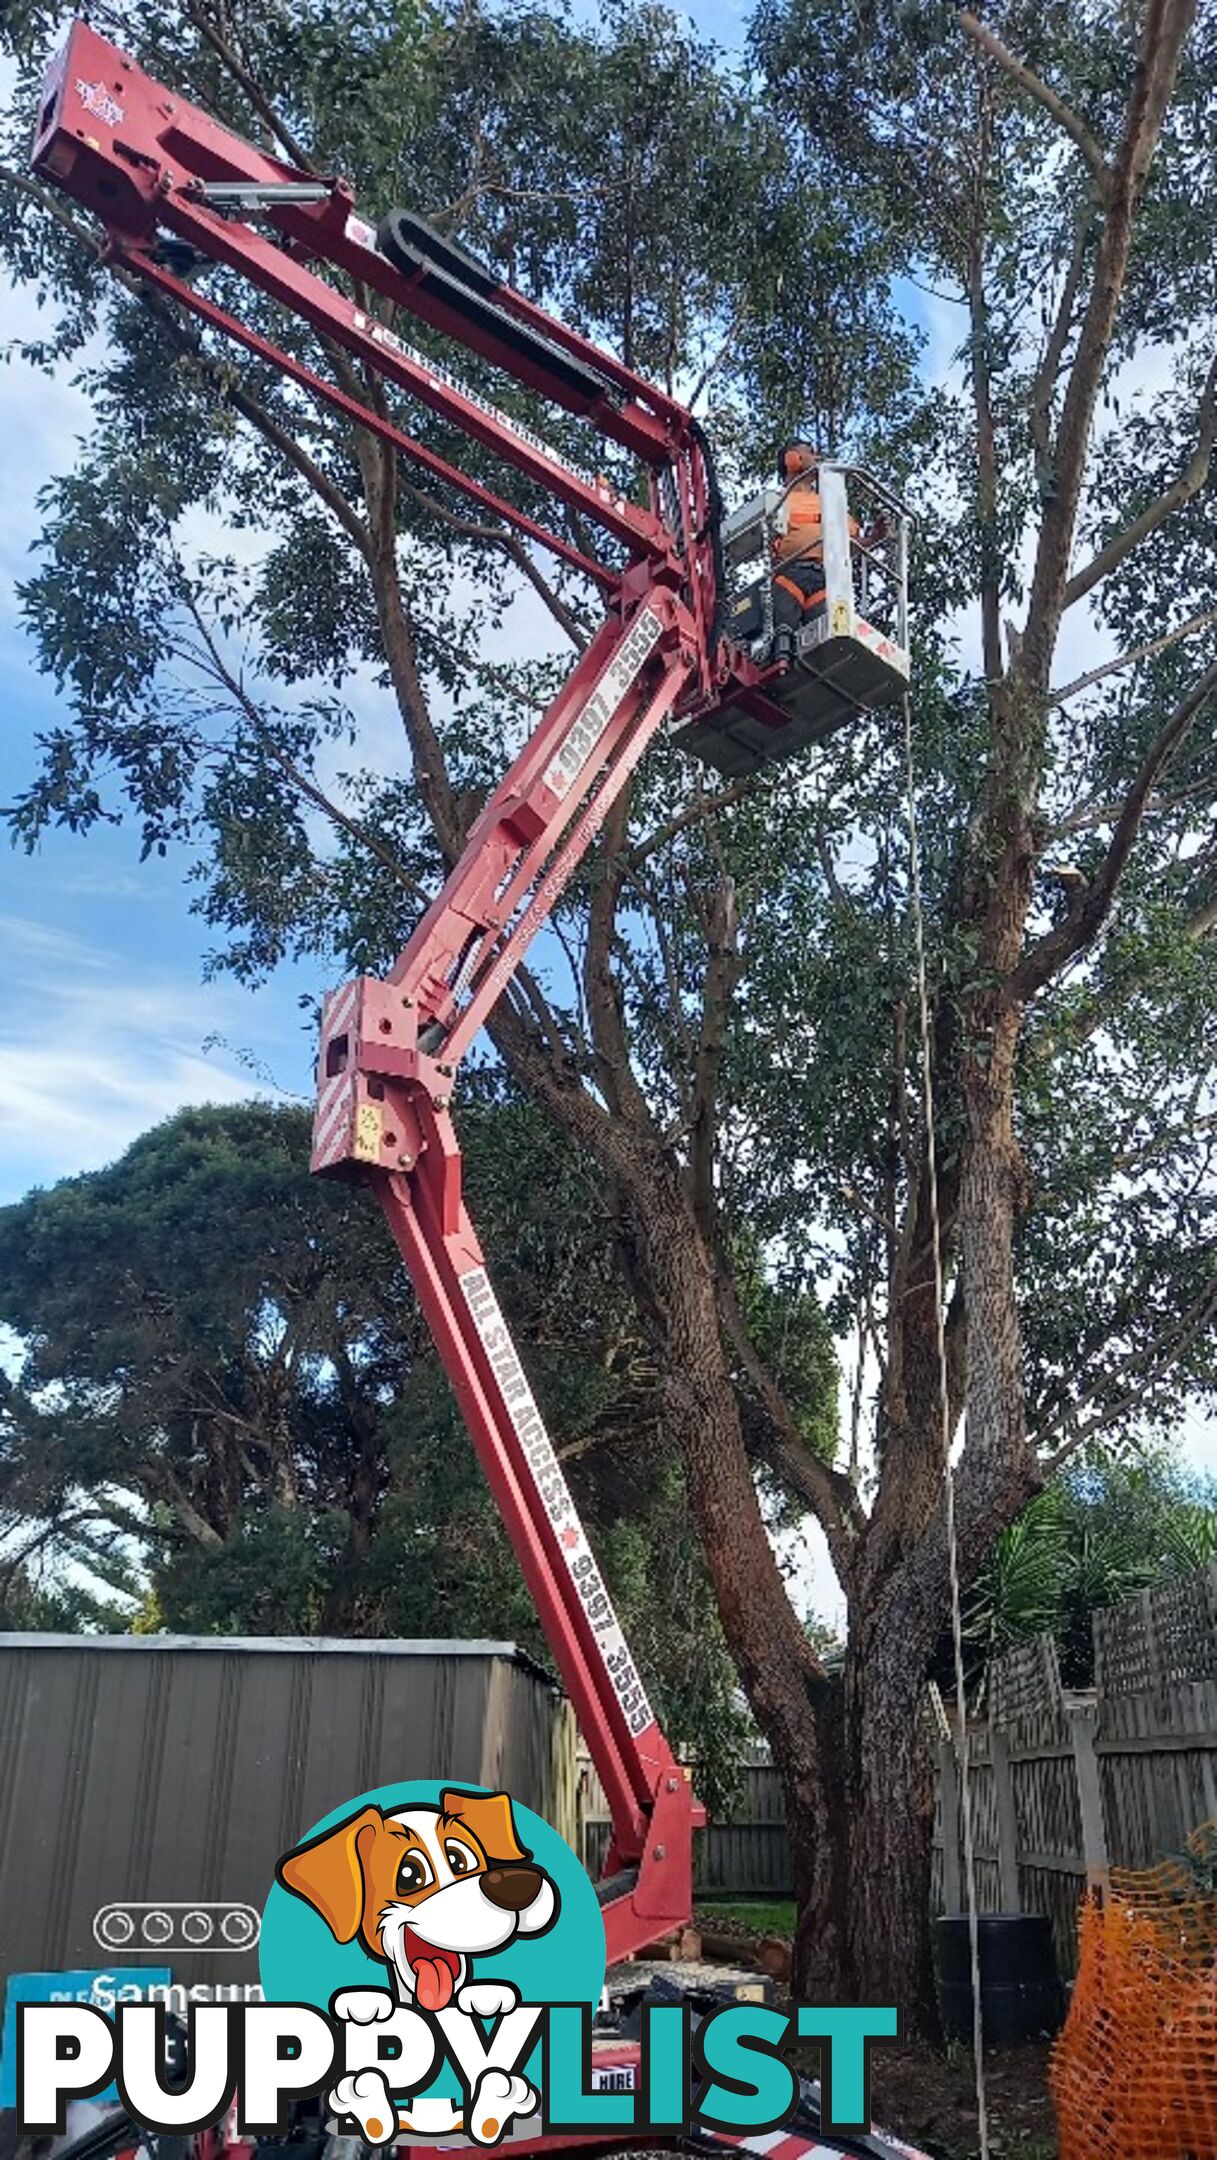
{"x": 948, "y": 1468}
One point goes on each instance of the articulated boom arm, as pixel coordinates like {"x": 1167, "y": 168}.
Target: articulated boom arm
{"x": 388, "y": 1052}
{"x": 176, "y": 192}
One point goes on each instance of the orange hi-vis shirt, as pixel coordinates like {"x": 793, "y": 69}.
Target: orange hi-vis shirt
{"x": 804, "y": 534}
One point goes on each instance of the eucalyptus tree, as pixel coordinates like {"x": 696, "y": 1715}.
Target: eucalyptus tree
{"x": 725, "y": 1021}
{"x": 1051, "y": 170}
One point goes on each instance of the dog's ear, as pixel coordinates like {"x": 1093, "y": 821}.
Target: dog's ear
{"x": 328, "y": 1873}
{"x": 489, "y": 1817}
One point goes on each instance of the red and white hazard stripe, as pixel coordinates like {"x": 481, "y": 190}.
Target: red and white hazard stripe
{"x": 335, "y": 1093}
{"x": 780, "y": 2145}
{"x": 338, "y": 1010}
{"x": 332, "y": 1120}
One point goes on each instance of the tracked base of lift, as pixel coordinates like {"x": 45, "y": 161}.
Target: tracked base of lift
{"x": 834, "y": 678}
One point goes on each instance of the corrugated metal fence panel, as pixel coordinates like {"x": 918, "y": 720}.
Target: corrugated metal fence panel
{"x": 161, "y": 1768}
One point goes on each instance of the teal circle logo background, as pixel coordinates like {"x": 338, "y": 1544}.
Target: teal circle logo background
{"x": 301, "y": 1962}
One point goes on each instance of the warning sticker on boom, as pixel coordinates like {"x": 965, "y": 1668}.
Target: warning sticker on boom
{"x": 585, "y": 731}
{"x": 436, "y": 373}
{"x": 556, "y": 1498}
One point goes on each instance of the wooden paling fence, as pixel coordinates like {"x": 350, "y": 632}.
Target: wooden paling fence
{"x": 1065, "y": 1786}
{"x": 748, "y": 1856}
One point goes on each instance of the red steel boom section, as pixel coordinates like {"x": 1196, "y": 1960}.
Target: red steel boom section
{"x": 149, "y": 164}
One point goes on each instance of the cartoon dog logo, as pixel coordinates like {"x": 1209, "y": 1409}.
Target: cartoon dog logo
{"x": 426, "y": 1889}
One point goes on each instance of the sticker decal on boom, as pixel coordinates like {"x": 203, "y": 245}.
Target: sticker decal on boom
{"x": 495, "y": 1338}
{"x": 584, "y": 733}
{"x": 97, "y": 100}
{"x": 446, "y": 380}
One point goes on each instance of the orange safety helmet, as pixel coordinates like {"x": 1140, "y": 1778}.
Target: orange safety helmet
{"x": 796, "y": 457}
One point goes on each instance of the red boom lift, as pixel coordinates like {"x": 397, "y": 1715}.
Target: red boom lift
{"x": 177, "y": 192}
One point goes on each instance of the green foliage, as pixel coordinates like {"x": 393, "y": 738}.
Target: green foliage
{"x": 230, "y": 1418}
{"x": 30, "y": 1606}
{"x": 795, "y": 235}
{"x": 590, "y": 164}
{"x": 1100, "y": 1532}
{"x": 629, "y": 176}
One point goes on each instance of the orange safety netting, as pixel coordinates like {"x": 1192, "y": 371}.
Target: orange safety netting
{"x": 1134, "y": 2073}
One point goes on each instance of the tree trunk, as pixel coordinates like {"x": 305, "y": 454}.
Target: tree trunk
{"x": 818, "y": 1800}
{"x": 891, "y": 1799}
{"x": 793, "y": 1702}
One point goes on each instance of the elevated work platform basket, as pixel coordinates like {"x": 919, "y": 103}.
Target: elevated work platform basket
{"x": 850, "y": 654}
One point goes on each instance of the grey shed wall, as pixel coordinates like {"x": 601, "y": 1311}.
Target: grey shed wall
{"x": 170, "y": 1768}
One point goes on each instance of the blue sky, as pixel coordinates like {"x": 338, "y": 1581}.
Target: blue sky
{"x": 103, "y": 1016}
{"x": 106, "y": 1021}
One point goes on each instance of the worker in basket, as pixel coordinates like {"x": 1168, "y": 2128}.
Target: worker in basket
{"x": 799, "y": 591}
{"x": 798, "y": 552}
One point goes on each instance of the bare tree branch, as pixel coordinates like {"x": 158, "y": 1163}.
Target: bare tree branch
{"x": 1054, "y": 351}
{"x": 723, "y": 969}
{"x": 827, "y": 1492}
{"x": 1163, "y": 33}
{"x": 1163, "y": 1143}
{"x": 534, "y": 999}
{"x": 1090, "y": 815}
{"x": 712, "y": 367}
{"x": 289, "y": 448}
{"x": 1190, "y": 628}
{"x": 1040, "y": 92}
{"x": 654, "y": 905}
{"x": 308, "y": 788}
{"x": 24, "y": 185}
{"x": 378, "y": 469}
{"x": 986, "y": 431}
{"x": 702, "y": 806}
{"x": 209, "y": 29}
{"x": 1092, "y": 906}
{"x": 609, "y": 1040}
{"x": 513, "y": 546}
{"x": 840, "y": 898}
{"x": 1092, "y": 1013}
{"x": 1180, "y": 492}
{"x": 222, "y": 372}
{"x": 1136, "y": 1373}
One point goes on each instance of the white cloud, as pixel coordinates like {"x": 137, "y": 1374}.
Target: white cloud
{"x": 93, "y": 1050}
{"x": 27, "y": 942}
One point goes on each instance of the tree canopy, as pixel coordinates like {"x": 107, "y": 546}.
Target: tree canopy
{"x": 230, "y": 1417}
{"x": 725, "y": 1019}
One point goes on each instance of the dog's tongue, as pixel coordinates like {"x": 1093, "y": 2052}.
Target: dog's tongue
{"x": 434, "y": 1972}
{"x": 433, "y": 1984}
